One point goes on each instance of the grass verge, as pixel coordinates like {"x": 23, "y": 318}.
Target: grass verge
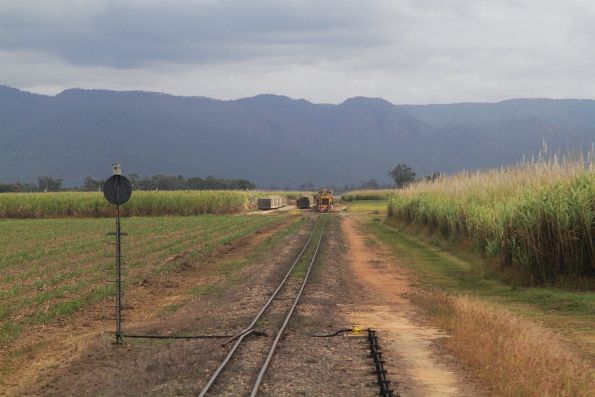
{"x": 515, "y": 356}
{"x": 525, "y": 341}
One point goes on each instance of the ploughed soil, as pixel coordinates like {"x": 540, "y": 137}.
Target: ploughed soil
{"x": 352, "y": 284}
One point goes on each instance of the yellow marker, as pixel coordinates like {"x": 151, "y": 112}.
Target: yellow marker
{"x": 355, "y": 331}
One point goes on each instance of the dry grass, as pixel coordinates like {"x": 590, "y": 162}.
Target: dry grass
{"x": 515, "y": 355}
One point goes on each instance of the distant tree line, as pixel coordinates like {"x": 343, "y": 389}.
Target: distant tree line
{"x": 18, "y": 187}
{"x": 155, "y": 182}
{"x": 371, "y": 184}
{"x": 165, "y": 182}
{"x": 44, "y": 184}
{"x": 402, "y": 175}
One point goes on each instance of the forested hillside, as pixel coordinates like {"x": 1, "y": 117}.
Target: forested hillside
{"x": 272, "y": 140}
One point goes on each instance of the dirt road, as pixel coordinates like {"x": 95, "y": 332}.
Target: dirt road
{"x": 413, "y": 356}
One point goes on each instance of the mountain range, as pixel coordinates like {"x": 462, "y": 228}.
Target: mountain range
{"x": 271, "y": 139}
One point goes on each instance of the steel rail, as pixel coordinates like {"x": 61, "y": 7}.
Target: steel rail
{"x": 266, "y": 363}
{"x": 239, "y": 338}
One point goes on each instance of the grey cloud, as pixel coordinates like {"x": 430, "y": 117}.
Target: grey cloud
{"x": 403, "y": 50}
{"x": 130, "y": 34}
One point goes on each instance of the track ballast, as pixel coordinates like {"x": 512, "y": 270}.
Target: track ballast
{"x": 239, "y": 339}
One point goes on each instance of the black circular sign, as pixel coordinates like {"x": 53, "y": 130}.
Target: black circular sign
{"x": 117, "y": 189}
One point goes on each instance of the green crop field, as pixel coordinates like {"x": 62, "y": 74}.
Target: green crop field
{"x": 52, "y": 267}
{"x": 378, "y": 207}
{"x": 538, "y": 218}
{"x": 142, "y": 203}
{"x": 363, "y": 195}
{"x": 93, "y": 204}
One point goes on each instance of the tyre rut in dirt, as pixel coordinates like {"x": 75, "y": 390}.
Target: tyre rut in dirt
{"x": 240, "y": 337}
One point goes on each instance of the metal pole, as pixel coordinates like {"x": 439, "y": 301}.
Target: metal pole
{"x": 118, "y": 281}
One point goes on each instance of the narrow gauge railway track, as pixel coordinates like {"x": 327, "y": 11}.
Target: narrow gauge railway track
{"x": 251, "y": 328}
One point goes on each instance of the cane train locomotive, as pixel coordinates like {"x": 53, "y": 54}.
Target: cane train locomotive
{"x": 325, "y": 200}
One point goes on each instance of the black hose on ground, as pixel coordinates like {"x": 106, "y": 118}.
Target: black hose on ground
{"x": 339, "y": 332}
{"x": 177, "y": 336}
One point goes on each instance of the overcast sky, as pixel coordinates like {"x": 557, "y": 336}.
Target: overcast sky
{"x": 406, "y": 51}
